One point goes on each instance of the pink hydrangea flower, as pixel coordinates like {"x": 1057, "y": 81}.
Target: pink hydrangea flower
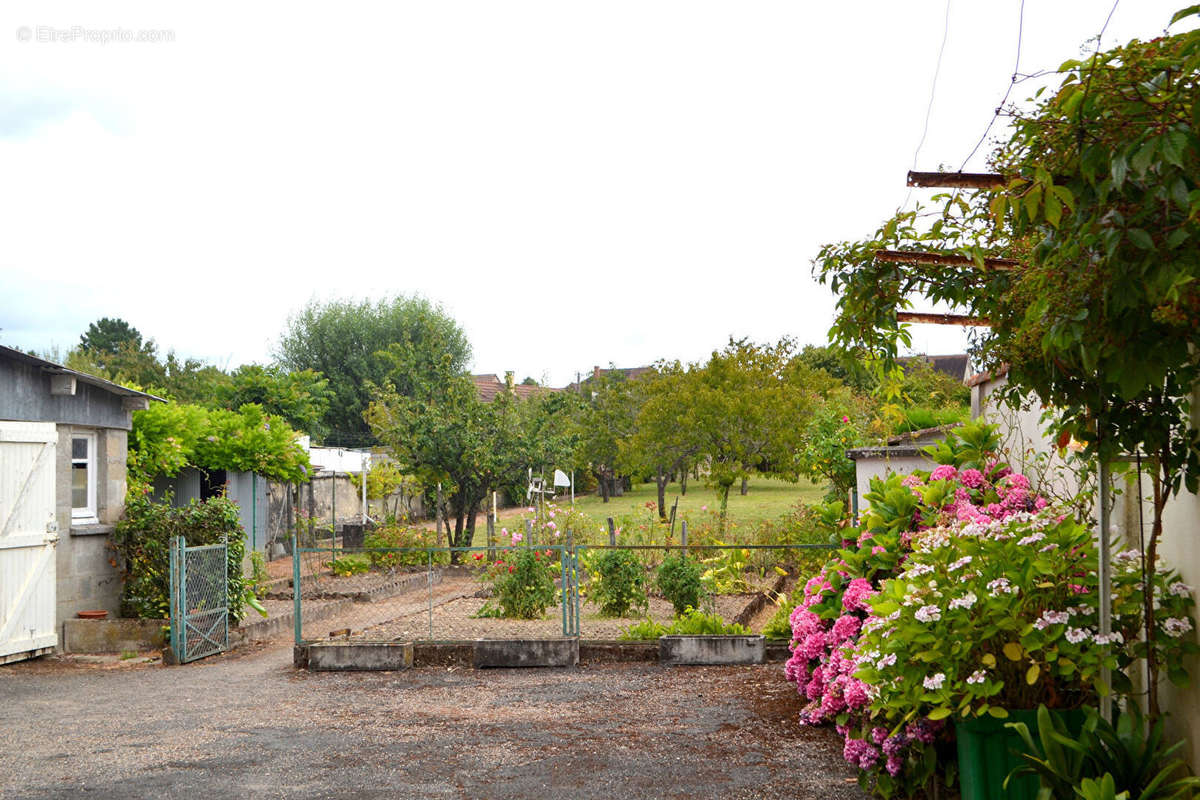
{"x": 943, "y": 473}
{"x": 971, "y": 478}
{"x": 845, "y": 628}
{"x": 856, "y": 595}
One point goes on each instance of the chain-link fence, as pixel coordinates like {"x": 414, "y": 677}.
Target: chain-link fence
{"x": 597, "y": 592}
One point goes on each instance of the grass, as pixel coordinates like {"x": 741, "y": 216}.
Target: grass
{"x": 768, "y": 499}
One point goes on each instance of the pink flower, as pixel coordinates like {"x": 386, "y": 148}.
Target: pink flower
{"x": 845, "y": 628}
{"x": 971, "y": 478}
{"x": 857, "y": 593}
{"x": 943, "y": 473}
{"x": 845, "y": 418}
{"x": 877, "y": 549}
{"x": 912, "y": 480}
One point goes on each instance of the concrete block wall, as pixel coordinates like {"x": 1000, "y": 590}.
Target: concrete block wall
{"x": 87, "y": 576}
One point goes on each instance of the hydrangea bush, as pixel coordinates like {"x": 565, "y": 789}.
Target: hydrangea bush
{"x": 961, "y": 593}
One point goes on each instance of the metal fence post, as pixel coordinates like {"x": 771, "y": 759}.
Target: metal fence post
{"x": 297, "y": 618}
{"x": 683, "y": 535}
{"x": 562, "y": 575}
{"x": 183, "y": 609}
{"x": 173, "y": 574}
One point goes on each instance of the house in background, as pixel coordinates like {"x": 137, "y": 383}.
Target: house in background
{"x": 63, "y": 440}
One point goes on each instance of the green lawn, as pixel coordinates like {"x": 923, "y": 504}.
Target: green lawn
{"x": 767, "y": 499}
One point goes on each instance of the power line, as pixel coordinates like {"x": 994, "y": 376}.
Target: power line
{"x": 1092, "y": 69}
{"x": 932, "y": 94}
{"x": 1011, "y": 83}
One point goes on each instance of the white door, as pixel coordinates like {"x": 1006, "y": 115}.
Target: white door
{"x": 28, "y": 533}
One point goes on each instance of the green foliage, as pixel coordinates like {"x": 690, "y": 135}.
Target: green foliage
{"x": 694, "y": 622}
{"x": 973, "y": 446}
{"x": 344, "y": 341}
{"x": 645, "y": 630}
{"x": 838, "y": 423}
{"x": 691, "y": 622}
{"x": 522, "y": 584}
{"x": 167, "y": 437}
{"x": 679, "y": 581}
{"x": 301, "y": 398}
{"x": 345, "y": 566}
{"x": 779, "y": 626}
{"x": 142, "y": 540}
{"x": 725, "y": 570}
{"x": 1130, "y": 757}
{"x": 107, "y": 337}
{"x": 395, "y": 545}
{"x": 618, "y": 582}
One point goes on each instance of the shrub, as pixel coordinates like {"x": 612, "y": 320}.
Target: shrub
{"x": 691, "y": 622}
{"x": 385, "y": 544}
{"x": 679, "y": 581}
{"x": 618, "y": 582}
{"x": 143, "y": 539}
{"x": 779, "y": 626}
{"x": 522, "y": 584}
{"x": 350, "y": 565}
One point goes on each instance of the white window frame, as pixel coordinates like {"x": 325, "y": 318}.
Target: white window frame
{"x": 86, "y": 513}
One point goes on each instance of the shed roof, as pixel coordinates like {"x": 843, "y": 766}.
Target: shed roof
{"x": 83, "y": 377}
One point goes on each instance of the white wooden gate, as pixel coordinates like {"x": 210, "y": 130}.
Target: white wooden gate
{"x": 28, "y": 534}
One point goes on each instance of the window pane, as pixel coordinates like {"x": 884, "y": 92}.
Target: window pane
{"x": 79, "y": 448}
{"x": 79, "y": 486}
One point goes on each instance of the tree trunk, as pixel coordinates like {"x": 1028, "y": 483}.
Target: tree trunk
{"x": 605, "y": 486}
{"x": 723, "y": 490}
{"x": 683, "y": 479}
{"x": 1161, "y": 491}
{"x": 660, "y": 481}
{"x": 745, "y": 484}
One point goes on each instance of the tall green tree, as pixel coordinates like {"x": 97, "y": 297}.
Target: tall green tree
{"x": 108, "y": 336}
{"x": 300, "y": 397}
{"x": 660, "y": 441}
{"x": 442, "y": 432}
{"x": 607, "y": 417}
{"x": 343, "y": 340}
{"x": 746, "y": 415}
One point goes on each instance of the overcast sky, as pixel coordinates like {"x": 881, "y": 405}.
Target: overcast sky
{"x": 575, "y": 183}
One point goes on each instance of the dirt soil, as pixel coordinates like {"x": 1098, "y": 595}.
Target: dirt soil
{"x": 247, "y": 724}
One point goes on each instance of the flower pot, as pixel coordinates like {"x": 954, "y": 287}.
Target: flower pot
{"x": 98, "y": 614}
{"x": 988, "y": 752}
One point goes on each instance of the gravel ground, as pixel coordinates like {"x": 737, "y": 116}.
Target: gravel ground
{"x": 247, "y": 725}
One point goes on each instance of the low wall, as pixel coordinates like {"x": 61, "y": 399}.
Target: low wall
{"x": 113, "y": 635}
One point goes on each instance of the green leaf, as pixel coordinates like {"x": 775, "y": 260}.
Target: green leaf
{"x": 941, "y": 712}
{"x": 997, "y": 712}
{"x": 1184, "y": 12}
{"x": 1031, "y": 675}
{"x": 1118, "y": 169}
{"x": 1013, "y": 651}
{"x": 1140, "y": 239}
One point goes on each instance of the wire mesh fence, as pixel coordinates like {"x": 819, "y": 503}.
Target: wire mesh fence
{"x": 199, "y": 600}
{"x": 599, "y": 592}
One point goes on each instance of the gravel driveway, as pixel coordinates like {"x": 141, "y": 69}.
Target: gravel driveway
{"x": 247, "y": 725}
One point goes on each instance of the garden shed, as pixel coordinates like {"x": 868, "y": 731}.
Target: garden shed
{"x": 63, "y": 439}
{"x": 249, "y": 490}
{"x": 900, "y": 455}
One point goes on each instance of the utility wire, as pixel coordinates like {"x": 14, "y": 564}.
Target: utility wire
{"x": 1012, "y": 82}
{"x": 932, "y": 93}
{"x": 1092, "y": 69}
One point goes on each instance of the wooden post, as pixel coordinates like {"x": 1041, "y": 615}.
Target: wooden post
{"x": 491, "y": 537}
{"x": 528, "y": 533}
{"x": 612, "y": 533}
{"x": 683, "y": 535}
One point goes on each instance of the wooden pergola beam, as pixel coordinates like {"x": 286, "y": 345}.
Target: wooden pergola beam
{"x": 942, "y": 260}
{"x": 957, "y": 180}
{"x": 941, "y": 319}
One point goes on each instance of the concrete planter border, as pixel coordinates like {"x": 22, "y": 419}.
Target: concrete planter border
{"x": 364, "y": 656}
{"x": 711, "y": 650}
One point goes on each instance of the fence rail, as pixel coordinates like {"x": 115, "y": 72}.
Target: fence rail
{"x": 528, "y": 591}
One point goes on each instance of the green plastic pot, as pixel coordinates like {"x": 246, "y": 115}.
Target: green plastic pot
{"x": 988, "y": 752}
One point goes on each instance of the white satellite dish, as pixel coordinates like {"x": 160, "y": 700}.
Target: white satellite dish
{"x": 561, "y": 479}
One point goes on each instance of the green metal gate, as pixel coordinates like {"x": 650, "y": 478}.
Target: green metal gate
{"x": 199, "y": 600}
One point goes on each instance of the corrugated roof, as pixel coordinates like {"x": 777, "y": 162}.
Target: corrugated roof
{"x": 82, "y": 377}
